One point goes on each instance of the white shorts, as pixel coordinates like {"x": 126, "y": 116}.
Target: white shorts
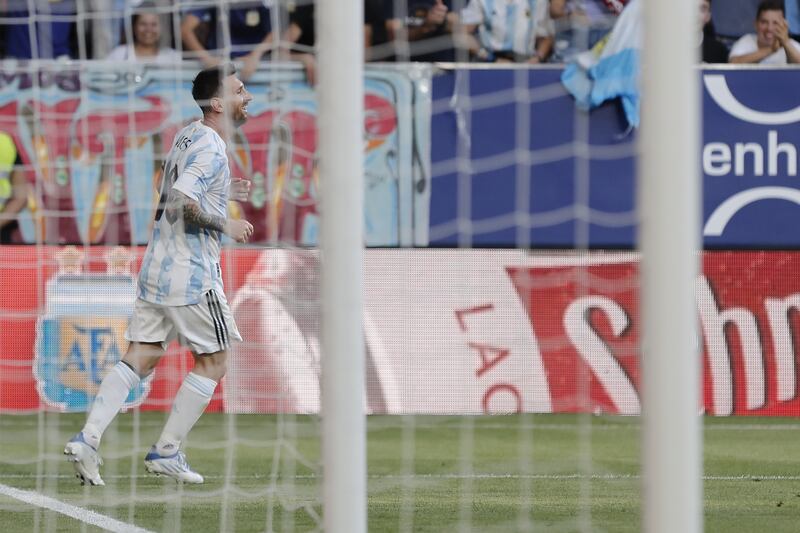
{"x": 205, "y": 328}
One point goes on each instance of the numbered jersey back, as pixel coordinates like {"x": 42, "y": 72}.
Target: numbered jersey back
{"x": 182, "y": 260}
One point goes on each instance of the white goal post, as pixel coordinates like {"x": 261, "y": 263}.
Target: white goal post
{"x": 669, "y": 240}
{"x": 341, "y": 110}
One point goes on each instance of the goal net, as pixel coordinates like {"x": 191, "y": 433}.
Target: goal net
{"x": 502, "y": 321}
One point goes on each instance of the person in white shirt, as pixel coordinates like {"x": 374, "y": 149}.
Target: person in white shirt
{"x": 508, "y": 30}
{"x": 180, "y": 292}
{"x": 771, "y": 44}
{"x": 146, "y": 45}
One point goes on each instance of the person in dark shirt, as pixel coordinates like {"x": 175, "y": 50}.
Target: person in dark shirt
{"x": 249, "y": 31}
{"x": 426, "y": 27}
{"x": 712, "y": 50}
{"x": 303, "y": 37}
{"x": 376, "y": 31}
{"x": 301, "y": 34}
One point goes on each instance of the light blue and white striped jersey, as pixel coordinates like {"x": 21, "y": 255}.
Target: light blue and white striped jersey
{"x": 509, "y": 25}
{"x": 181, "y": 263}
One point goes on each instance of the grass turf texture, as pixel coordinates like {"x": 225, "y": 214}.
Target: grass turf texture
{"x": 751, "y": 466}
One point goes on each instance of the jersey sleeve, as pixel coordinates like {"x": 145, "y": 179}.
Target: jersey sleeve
{"x": 543, "y": 25}
{"x": 472, "y": 14}
{"x": 201, "y": 167}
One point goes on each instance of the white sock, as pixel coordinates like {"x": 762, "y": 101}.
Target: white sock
{"x": 112, "y": 394}
{"x": 190, "y": 402}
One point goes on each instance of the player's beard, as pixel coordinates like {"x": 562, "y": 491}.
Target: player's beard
{"x": 239, "y": 116}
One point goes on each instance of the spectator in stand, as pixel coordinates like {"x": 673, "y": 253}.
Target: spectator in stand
{"x": 508, "y": 31}
{"x": 771, "y": 44}
{"x": 56, "y": 39}
{"x": 301, "y": 36}
{"x": 300, "y": 39}
{"x": 146, "y": 35}
{"x": 376, "y": 30}
{"x": 712, "y": 50}
{"x": 106, "y": 25}
{"x": 249, "y": 31}
{"x": 13, "y": 188}
{"x": 580, "y": 24}
{"x": 426, "y": 28}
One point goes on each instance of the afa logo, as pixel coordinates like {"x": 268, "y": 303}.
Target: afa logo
{"x": 73, "y": 355}
{"x": 82, "y": 334}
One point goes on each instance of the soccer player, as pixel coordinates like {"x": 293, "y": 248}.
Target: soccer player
{"x": 180, "y": 292}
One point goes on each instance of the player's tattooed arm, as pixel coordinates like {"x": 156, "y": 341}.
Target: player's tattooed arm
{"x": 179, "y": 204}
{"x": 192, "y": 213}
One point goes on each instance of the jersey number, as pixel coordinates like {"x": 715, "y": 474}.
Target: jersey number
{"x": 169, "y": 176}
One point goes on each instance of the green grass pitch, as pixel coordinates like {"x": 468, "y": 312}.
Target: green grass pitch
{"x": 581, "y": 473}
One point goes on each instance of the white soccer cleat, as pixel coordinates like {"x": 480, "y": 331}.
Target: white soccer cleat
{"x": 174, "y": 466}
{"x": 85, "y": 460}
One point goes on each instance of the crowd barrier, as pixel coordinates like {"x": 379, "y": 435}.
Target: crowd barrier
{"x": 580, "y": 170}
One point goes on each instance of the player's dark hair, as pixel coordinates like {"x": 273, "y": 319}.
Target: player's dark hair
{"x": 770, "y": 5}
{"x": 208, "y": 82}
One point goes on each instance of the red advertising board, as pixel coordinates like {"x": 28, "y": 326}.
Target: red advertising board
{"x": 447, "y": 331}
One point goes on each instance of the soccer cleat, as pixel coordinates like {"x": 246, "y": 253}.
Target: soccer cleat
{"x": 84, "y": 459}
{"x": 174, "y": 466}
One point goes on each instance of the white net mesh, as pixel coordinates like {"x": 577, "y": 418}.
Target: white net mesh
{"x": 454, "y": 157}
{"x": 501, "y": 317}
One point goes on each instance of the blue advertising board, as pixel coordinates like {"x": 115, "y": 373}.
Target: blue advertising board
{"x": 750, "y": 138}
{"x": 540, "y": 173}
{"x": 526, "y": 169}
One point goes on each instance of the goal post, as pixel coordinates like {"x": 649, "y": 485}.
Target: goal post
{"x": 669, "y": 242}
{"x": 341, "y": 110}
{"x": 448, "y": 247}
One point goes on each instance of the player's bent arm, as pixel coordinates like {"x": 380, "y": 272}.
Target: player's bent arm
{"x": 239, "y": 230}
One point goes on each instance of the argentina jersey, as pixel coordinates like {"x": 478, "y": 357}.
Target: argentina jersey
{"x": 181, "y": 263}
{"x": 509, "y": 25}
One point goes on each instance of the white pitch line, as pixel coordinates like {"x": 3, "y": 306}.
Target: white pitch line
{"x": 742, "y": 477}
{"x": 566, "y": 476}
{"x": 78, "y": 513}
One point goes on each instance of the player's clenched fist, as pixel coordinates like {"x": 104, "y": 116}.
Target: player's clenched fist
{"x": 239, "y": 230}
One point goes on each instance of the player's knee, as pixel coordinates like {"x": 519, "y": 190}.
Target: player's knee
{"x": 217, "y": 369}
{"x": 142, "y": 358}
{"x": 222, "y": 369}
{"x": 213, "y": 367}
{"x": 141, "y": 366}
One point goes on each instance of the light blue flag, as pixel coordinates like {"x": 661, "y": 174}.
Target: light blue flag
{"x": 611, "y": 68}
